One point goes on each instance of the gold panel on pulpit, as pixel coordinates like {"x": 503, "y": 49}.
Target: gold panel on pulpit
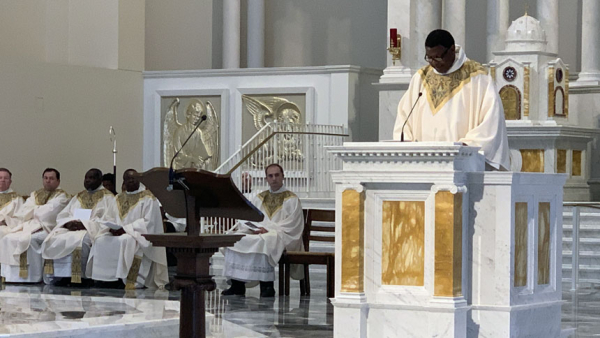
{"x": 576, "y": 165}
{"x": 448, "y": 244}
{"x": 521, "y": 229}
{"x": 203, "y": 149}
{"x": 533, "y": 160}
{"x": 544, "y": 243}
{"x": 561, "y": 161}
{"x": 403, "y": 243}
{"x": 511, "y": 102}
{"x": 352, "y": 241}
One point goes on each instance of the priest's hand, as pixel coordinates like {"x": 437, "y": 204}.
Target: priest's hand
{"x": 74, "y": 226}
{"x": 260, "y": 231}
{"x": 118, "y": 232}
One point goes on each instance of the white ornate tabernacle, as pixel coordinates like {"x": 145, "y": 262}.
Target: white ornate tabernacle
{"x": 430, "y": 245}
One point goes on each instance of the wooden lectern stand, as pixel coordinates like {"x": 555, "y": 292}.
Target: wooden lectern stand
{"x": 195, "y": 194}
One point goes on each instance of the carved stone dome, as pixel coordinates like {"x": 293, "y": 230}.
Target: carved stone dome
{"x": 526, "y": 34}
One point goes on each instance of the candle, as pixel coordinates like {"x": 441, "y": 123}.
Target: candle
{"x": 393, "y": 37}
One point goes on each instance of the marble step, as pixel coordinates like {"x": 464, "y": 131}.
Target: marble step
{"x": 585, "y": 244}
{"x": 585, "y": 257}
{"x": 587, "y": 272}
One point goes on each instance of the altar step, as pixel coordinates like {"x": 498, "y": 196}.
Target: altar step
{"x": 589, "y": 245}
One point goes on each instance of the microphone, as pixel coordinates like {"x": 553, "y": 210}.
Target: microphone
{"x": 411, "y": 111}
{"x": 171, "y": 171}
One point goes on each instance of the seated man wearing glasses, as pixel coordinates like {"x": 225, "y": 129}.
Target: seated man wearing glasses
{"x": 460, "y": 103}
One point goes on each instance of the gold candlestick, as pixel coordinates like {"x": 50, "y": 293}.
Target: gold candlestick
{"x": 396, "y": 50}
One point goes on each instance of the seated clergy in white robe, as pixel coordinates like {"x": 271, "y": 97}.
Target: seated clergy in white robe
{"x": 10, "y": 203}
{"x": 459, "y": 103}
{"x": 67, "y": 247}
{"x": 255, "y": 256}
{"x": 120, "y": 252}
{"x": 21, "y": 249}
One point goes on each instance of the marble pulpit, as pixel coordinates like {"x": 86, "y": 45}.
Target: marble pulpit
{"x": 428, "y": 244}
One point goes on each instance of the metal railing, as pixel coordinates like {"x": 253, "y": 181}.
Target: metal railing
{"x": 576, "y": 211}
{"x": 299, "y": 149}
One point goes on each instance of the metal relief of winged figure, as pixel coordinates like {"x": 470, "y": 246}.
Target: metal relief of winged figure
{"x": 202, "y": 150}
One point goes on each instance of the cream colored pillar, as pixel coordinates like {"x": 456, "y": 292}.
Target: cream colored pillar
{"x": 231, "y": 34}
{"x": 429, "y": 17}
{"x": 454, "y": 19}
{"x": 548, "y": 15}
{"x": 256, "y": 33}
{"x": 497, "y": 25}
{"x": 590, "y": 43}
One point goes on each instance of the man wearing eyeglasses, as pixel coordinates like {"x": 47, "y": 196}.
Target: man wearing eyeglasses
{"x": 460, "y": 103}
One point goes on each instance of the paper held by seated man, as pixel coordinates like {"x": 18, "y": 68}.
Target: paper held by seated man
{"x": 62, "y": 242}
{"x": 129, "y": 256}
{"x": 37, "y": 218}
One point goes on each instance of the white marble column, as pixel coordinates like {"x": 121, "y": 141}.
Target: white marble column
{"x": 497, "y": 25}
{"x": 548, "y": 15}
{"x": 454, "y": 19}
{"x": 256, "y": 33}
{"x": 428, "y": 17}
{"x": 590, "y": 42}
{"x": 231, "y": 34}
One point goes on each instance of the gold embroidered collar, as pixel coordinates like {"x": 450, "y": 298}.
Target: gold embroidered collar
{"x": 126, "y": 202}
{"x": 441, "y": 88}
{"x": 7, "y": 198}
{"x": 42, "y": 196}
{"x": 88, "y": 200}
{"x": 272, "y": 202}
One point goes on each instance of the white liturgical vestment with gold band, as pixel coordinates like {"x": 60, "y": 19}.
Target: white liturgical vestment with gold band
{"x": 10, "y": 203}
{"x": 461, "y": 105}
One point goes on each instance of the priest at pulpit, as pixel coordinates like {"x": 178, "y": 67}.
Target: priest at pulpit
{"x": 255, "y": 256}
{"x": 454, "y": 99}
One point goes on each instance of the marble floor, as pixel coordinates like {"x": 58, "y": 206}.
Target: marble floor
{"x": 47, "y": 311}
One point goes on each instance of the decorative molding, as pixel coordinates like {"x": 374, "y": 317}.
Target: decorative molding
{"x": 454, "y": 189}
{"x": 526, "y": 79}
{"x": 551, "y": 80}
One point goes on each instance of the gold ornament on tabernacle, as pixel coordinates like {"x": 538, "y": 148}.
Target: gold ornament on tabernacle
{"x": 521, "y": 222}
{"x": 511, "y": 101}
{"x": 551, "y": 80}
{"x": 126, "y": 202}
{"x": 526, "y": 79}
{"x": 202, "y": 150}
{"x": 88, "y": 200}
{"x": 352, "y": 241}
{"x": 441, "y": 88}
{"x": 448, "y": 244}
{"x": 403, "y": 243}
{"x": 561, "y": 161}
{"x": 7, "y": 198}
{"x": 272, "y": 203}
{"x": 533, "y": 160}
{"x": 543, "y": 243}
{"x": 576, "y": 163}
{"x": 42, "y": 196}
{"x": 566, "y": 92}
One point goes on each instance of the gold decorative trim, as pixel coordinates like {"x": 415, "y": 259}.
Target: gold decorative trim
{"x": 550, "y": 91}
{"x": 273, "y": 202}
{"x": 133, "y": 273}
{"x": 7, "y": 198}
{"x": 88, "y": 200}
{"x": 352, "y": 241}
{"x": 544, "y": 243}
{"x": 448, "y": 244}
{"x": 403, "y": 243}
{"x": 533, "y": 160}
{"x": 526, "y": 91}
{"x": 561, "y": 161}
{"x": 126, "y": 202}
{"x": 23, "y": 273}
{"x": 42, "y": 196}
{"x": 48, "y": 267}
{"x": 566, "y": 98}
{"x": 521, "y": 222}
{"x": 493, "y": 72}
{"x": 576, "y": 163}
{"x": 511, "y": 102}
{"x": 76, "y": 266}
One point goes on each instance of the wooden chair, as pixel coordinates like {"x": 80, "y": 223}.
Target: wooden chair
{"x": 307, "y": 257}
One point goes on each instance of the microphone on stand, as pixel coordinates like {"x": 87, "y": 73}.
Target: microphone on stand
{"x": 411, "y": 111}
{"x": 171, "y": 171}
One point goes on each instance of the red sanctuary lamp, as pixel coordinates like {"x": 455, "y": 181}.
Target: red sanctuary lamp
{"x": 395, "y": 45}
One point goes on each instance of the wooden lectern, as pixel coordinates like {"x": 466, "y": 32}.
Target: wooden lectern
{"x": 194, "y": 194}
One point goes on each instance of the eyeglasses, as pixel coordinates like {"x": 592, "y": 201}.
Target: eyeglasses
{"x": 438, "y": 59}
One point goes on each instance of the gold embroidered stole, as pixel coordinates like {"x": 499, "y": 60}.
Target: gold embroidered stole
{"x": 272, "y": 203}
{"x": 42, "y": 196}
{"x": 441, "y": 88}
{"x": 7, "y": 198}
{"x": 88, "y": 200}
{"x": 126, "y": 202}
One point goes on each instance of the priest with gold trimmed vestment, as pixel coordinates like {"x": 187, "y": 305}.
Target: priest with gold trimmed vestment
{"x": 255, "y": 256}
{"x": 67, "y": 247}
{"x": 10, "y": 203}
{"x": 120, "y": 251}
{"x": 20, "y": 250}
{"x": 454, "y": 100}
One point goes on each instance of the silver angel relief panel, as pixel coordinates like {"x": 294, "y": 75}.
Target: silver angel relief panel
{"x": 286, "y": 147}
{"x": 203, "y": 149}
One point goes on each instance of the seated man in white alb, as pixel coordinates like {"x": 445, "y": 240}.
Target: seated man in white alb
{"x": 10, "y": 202}
{"x": 120, "y": 252}
{"x": 21, "y": 249}
{"x": 255, "y": 256}
{"x": 69, "y": 243}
